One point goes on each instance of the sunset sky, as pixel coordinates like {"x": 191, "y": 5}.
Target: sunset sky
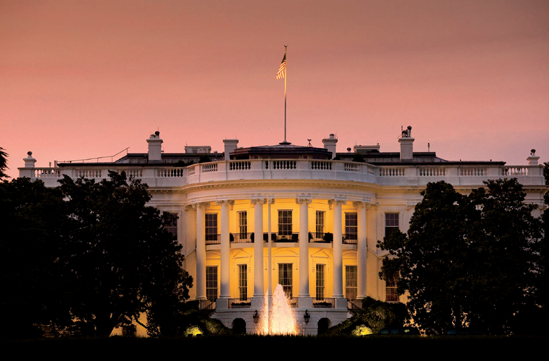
{"x": 82, "y": 79}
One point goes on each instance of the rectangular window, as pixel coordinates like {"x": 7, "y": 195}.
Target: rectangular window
{"x": 243, "y": 282}
{"x": 211, "y": 226}
{"x": 351, "y": 226}
{"x": 172, "y": 225}
{"x": 351, "y": 282}
{"x": 391, "y": 294}
{"x": 285, "y": 278}
{"x": 391, "y": 223}
{"x": 243, "y": 224}
{"x": 320, "y": 282}
{"x": 211, "y": 283}
{"x": 320, "y": 215}
{"x": 284, "y": 222}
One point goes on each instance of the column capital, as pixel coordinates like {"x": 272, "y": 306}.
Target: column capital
{"x": 336, "y": 201}
{"x": 410, "y": 206}
{"x": 365, "y": 202}
{"x": 255, "y": 201}
{"x": 195, "y": 205}
{"x": 303, "y": 200}
{"x": 224, "y": 201}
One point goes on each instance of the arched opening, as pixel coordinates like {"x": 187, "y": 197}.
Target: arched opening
{"x": 323, "y": 325}
{"x": 239, "y": 326}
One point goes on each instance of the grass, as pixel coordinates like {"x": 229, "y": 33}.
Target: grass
{"x": 290, "y": 346}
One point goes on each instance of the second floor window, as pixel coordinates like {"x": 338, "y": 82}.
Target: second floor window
{"x": 320, "y": 215}
{"x": 351, "y": 226}
{"x": 172, "y": 225}
{"x": 243, "y": 224}
{"x": 285, "y": 222}
{"x": 391, "y": 223}
{"x": 211, "y": 226}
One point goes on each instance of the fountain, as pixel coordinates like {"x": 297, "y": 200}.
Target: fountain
{"x": 277, "y": 317}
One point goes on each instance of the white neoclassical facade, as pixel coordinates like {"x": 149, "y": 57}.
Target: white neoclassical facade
{"x": 303, "y": 217}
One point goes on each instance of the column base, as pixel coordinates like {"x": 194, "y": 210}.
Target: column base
{"x": 341, "y": 303}
{"x": 258, "y": 302}
{"x": 305, "y": 302}
{"x": 222, "y": 303}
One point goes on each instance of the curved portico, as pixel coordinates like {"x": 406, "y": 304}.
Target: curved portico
{"x": 302, "y": 225}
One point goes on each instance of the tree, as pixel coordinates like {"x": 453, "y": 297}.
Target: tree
{"x": 467, "y": 260}
{"x": 3, "y": 163}
{"x": 31, "y": 218}
{"x": 429, "y": 259}
{"x": 506, "y": 256}
{"x": 117, "y": 257}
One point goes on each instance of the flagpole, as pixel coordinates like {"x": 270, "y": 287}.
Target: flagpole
{"x": 285, "y": 78}
{"x": 283, "y": 73}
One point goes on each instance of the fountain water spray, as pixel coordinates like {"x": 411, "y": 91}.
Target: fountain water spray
{"x": 278, "y": 317}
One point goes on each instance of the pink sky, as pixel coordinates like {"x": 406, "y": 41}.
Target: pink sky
{"x": 82, "y": 79}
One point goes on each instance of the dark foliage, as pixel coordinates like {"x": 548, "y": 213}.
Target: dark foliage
{"x": 31, "y": 218}
{"x": 117, "y": 257}
{"x": 374, "y": 314}
{"x": 3, "y": 163}
{"x": 467, "y": 260}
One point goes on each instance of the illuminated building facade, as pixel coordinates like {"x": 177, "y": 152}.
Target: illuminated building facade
{"x": 307, "y": 218}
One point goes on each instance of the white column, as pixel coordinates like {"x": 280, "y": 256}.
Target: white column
{"x": 200, "y": 252}
{"x": 362, "y": 249}
{"x": 225, "y": 259}
{"x": 269, "y": 253}
{"x": 303, "y": 246}
{"x": 259, "y": 288}
{"x": 337, "y": 251}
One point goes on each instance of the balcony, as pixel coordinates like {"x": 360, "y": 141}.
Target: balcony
{"x": 398, "y": 175}
{"x": 238, "y": 303}
{"x": 323, "y": 302}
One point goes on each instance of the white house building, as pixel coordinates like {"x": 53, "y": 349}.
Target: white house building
{"x": 307, "y": 218}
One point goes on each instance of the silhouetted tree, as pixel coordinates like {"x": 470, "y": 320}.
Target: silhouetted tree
{"x": 431, "y": 259}
{"x": 467, "y": 260}
{"x": 117, "y": 257}
{"x": 3, "y": 163}
{"x": 31, "y": 219}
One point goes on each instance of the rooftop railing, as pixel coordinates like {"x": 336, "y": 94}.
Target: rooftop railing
{"x": 394, "y": 175}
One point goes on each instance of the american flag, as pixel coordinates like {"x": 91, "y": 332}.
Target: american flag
{"x": 281, "y": 73}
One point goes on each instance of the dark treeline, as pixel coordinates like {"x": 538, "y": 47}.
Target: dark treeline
{"x": 477, "y": 260}
{"x": 85, "y": 257}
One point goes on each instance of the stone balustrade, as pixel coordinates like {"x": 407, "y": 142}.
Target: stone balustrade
{"x": 406, "y": 175}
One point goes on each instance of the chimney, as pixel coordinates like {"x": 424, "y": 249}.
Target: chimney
{"x": 533, "y": 158}
{"x": 330, "y": 144}
{"x": 230, "y": 146}
{"x": 155, "y": 148}
{"x": 28, "y": 171}
{"x": 406, "y": 145}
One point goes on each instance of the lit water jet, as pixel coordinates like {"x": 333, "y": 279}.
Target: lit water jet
{"x": 279, "y": 318}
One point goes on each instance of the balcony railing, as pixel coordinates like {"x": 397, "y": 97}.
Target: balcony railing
{"x": 238, "y": 303}
{"x": 213, "y": 239}
{"x": 241, "y": 237}
{"x": 324, "y": 302}
{"x": 350, "y": 238}
{"x": 254, "y": 169}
